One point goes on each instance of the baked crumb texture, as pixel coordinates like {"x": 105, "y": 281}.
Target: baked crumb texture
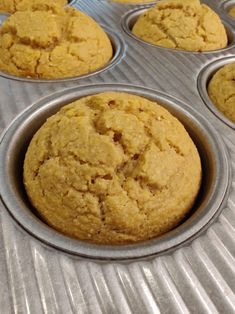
{"x": 221, "y": 90}
{"x": 52, "y": 43}
{"x": 182, "y": 24}
{"x": 112, "y": 168}
{"x": 231, "y": 11}
{"x": 11, "y": 6}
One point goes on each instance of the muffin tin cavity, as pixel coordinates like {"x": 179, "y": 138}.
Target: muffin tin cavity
{"x": 118, "y": 46}
{"x": 130, "y": 18}
{"x": 213, "y": 192}
{"x": 203, "y": 80}
{"x": 226, "y": 6}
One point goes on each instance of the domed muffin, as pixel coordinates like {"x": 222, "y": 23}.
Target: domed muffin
{"x": 221, "y": 90}
{"x": 112, "y": 168}
{"x": 181, "y": 24}
{"x": 11, "y": 6}
{"x": 61, "y": 43}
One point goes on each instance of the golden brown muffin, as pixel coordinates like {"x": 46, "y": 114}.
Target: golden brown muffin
{"x": 221, "y": 90}
{"x": 61, "y": 43}
{"x": 231, "y": 11}
{"x": 112, "y": 168}
{"x": 11, "y": 6}
{"x": 181, "y": 24}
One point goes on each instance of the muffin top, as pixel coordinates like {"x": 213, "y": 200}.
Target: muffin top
{"x": 112, "y": 168}
{"x": 181, "y": 24}
{"x": 11, "y": 6}
{"x": 60, "y": 43}
{"x": 231, "y": 11}
{"x": 221, "y": 90}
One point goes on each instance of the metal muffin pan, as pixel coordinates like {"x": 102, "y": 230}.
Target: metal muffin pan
{"x": 203, "y": 80}
{"x": 196, "y": 276}
{"x": 214, "y": 185}
{"x": 131, "y": 17}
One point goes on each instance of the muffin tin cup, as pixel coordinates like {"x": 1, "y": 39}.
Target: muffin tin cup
{"x": 118, "y": 45}
{"x": 225, "y": 6}
{"x": 130, "y": 18}
{"x": 203, "y": 79}
{"x": 215, "y": 183}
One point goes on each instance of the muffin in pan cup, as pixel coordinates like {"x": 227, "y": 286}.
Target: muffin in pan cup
{"x": 112, "y": 168}
{"x": 182, "y": 24}
{"x": 62, "y": 42}
{"x": 221, "y": 90}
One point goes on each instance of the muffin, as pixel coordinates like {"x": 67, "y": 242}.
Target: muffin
{"x": 221, "y": 90}
{"x": 11, "y": 6}
{"x": 61, "y": 43}
{"x": 181, "y": 24}
{"x": 231, "y": 11}
{"x": 112, "y": 168}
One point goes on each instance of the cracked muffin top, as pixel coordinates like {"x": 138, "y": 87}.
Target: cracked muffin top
{"x": 112, "y": 168}
{"x": 11, "y": 6}
{"x": 181, "y": 24}
{"x": 221, "y": 90}
{"x": 231, "y": 11}
{"x": 52, "y": 43}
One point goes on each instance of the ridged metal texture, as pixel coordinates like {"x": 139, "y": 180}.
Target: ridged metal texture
{"x": 197, "y": 278}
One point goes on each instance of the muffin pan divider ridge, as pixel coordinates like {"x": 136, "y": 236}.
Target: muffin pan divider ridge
{"x": 198, "y": 276}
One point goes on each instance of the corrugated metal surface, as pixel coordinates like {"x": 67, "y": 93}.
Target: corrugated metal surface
{"x": 198, "y": 278}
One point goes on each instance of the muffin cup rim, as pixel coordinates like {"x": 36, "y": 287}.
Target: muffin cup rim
{"x": 140, "y": 250}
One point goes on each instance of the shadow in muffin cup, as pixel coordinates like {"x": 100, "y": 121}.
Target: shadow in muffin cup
{"x": 72, "y": 2}
{"x": 130, "y": 18}
{"x": 203, "y": 80}
{"x": 118, "y": 45}
{"x": 212, "y": 195}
